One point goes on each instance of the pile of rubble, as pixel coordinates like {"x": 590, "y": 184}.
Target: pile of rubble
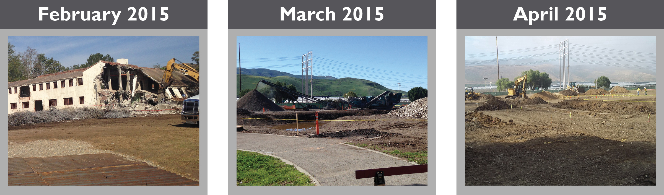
{"x": 60, "y": 115}
{"x": 619, "y": 89}
{"x": 417, "y": 109}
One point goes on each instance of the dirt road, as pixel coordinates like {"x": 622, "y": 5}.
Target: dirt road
{"x": 329, "y": 161}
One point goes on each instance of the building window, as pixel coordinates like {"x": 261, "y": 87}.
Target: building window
{"x": 10, "y": 90}
{"x": 68, "y": 101}
{"x": 15, "y": 90}
{"x": 80, "y": 99}
{"x": 25, "y": 91}
{"x": 55, "y": 85}
{"x": 80, "y": 81}
{"x": 13, "y": 105}
{"x": 41, "y": 86}
{"x": 34, "y": 87}
{"x": 62, "y": 83}
{"x": 53, "y": 102}
{"x": 26, "y": 104}
{"x": 48, "y": 86}
{"x": 71, "y": 82}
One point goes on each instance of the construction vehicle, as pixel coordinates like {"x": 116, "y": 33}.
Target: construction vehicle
{"x": 471, "y": 95}
{"x": 186, "y": 70}
{"x": 190, "y": 110}
{"x": 519, "y": 89}
{"x": 385, "y": 100}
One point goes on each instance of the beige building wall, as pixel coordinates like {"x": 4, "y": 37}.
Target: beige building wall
{"x": 86, "y": 90}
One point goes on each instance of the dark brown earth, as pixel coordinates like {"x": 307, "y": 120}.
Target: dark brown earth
{"x": 370, "y": 127}
{"x": 571, "y": 143}
{"x": 255, "y": 101}
{"x": 595, "y": 92}
{"x": 162, "y": 140}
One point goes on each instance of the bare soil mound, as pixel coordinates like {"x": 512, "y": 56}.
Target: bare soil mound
{"x": 255, "y": 101}
{"x": 493, "y": 103}
{"x": 596, "y": 92}
{"x": 529, "y": 101}
{"x": 615, "y": 107}
{"x": 569, "y": 93}
{"x": 545, "y": 95}
{"x": 619, "y": 89}
{"x": 480, "y": 119}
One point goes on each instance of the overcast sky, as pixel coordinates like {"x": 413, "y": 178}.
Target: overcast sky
{"x": 387, "y": 60}
{"x": 144, "y": 51}
{"x": 625, "y": 51}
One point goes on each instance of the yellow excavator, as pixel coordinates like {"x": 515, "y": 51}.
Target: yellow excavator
{"x": 519, "y": 89}
{"x": 186, "y": 69}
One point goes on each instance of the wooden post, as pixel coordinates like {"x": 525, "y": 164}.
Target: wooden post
{"x": 297, "y": 125}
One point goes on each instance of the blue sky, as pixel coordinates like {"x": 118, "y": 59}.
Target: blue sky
{"x": 387, "y": 60}
{"x": 144, "y": 51}
{"x": 620, "y": 51}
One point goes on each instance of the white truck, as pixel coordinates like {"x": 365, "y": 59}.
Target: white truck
{"x": 190, "y": 110}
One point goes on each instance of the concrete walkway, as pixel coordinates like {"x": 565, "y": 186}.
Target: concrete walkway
{"x": 329, "y": 161}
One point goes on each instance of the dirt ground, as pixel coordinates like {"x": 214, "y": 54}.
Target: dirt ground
{"x": 587, "y": 141}
{"x": 161, "y": 140}
{"x": 370, "y": 127}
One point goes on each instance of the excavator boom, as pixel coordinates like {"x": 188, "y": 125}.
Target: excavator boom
{"x": 186, "y": 70}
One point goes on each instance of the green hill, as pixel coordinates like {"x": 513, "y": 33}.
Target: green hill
{"x": 322, "y": 87}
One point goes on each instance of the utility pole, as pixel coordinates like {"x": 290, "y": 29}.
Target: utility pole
{"x": 497, "y": 62}
{"x": 239, "y": 60}
{"x": 568, "y": 49}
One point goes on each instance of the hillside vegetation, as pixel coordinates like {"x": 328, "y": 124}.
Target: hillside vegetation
{"x": 322, "y": 87}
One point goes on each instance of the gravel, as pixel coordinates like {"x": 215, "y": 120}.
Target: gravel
{"x": 49, "y": 148}
{"x": 417, "y": 109}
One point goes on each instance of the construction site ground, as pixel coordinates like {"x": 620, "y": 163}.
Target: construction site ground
{"x": 157, "y": 150}
{"x": 586, "y": 140}
{"x": 359, "y": 127}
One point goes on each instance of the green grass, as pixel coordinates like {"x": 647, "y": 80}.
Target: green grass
{"x": 254, "y": 169}
{"x": 419, "y": 157}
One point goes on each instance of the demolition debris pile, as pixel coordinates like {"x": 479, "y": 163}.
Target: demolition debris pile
{"x": 60, "y": 115}
{"x": 416, "y": 109}
{"x": 596, "y": 92}
{"x": 255, "y": 101}
{"x": 619, "y": 89}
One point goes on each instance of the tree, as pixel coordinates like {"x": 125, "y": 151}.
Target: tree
{"x": 15, "y": 67}
{"x": 195, "y": 58}
{"x": 603, "y": 82}
{"x": 416, "y": 93}
{"x": 504, "y": 84}
{"x": 282, "y": 96}
{"x": 94, "y": 58}
{"x": 350, "y": 94}
{"x": 28, "y": 60}
{"x": 50, "y": 65}
{"x": 536, "y": 79}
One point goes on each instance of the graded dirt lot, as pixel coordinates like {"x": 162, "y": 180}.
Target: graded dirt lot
{"x": 360, "y": 127}
{"x": 586, "y": 141}
{"x": 160, "y": 140}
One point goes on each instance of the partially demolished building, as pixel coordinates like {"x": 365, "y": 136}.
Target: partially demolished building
{"x": 103, "y": 85}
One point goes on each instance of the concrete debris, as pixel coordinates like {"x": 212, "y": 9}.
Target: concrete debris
{"x": 417, "y": 109}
